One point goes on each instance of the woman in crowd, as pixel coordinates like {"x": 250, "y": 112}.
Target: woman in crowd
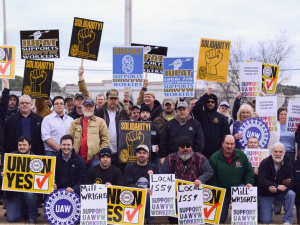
{"x": 245, "y": 112}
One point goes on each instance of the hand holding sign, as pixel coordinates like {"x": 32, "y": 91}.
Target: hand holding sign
{"x": 85, "y": 38}
{"x": 213, "y": 57}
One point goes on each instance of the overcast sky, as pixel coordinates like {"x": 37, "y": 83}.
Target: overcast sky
{"x": 179, "y": 25}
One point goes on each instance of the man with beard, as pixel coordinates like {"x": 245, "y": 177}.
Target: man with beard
{"x": 182, "y": 125}
{"x": 137, "y": 175}
{"x": 155, "y": 136}
{"x": 187, "y": 165}
{"x": 90, "y": 135}
{"x": 273, "y": 185}
{"x": 112, "y": 112}
{"x": 21, "y": 204}
{"x": 231, "y": 169}
{"x": 166, "y": 115}
{"x": 214, "y": 124}
{"x": 105, "y": 173}
{"x": 224, "y": 109}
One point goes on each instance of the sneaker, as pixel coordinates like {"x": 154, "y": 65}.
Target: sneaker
{"x": 32, "y": 221}
{"x": 286, "y": 223}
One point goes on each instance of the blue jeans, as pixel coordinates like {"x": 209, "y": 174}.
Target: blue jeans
{"x": 21, "y": 204}
{"x": 50, "y": 153}
{"x": 266, "y": 204}
{"x": 150, "y": 219}
{"x": 92, "y": 163}
{"x": 298, "y": 213}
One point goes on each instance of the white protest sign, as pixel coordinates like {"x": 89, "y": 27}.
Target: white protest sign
{"x": 266, "y": 108}
{"x": 93, "y": 204}
{"x": 250, "y": 78}
{"x": 162, "y": 200}
{"x": 190, "y": 204}
{"x": 255, "y": 156}
{"x": 244, "y": 205}
{"x": 293, "y": 116}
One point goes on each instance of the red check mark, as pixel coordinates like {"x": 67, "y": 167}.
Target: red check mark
{"x": 130, "y": 216}
{"x": 268, "y": 84}
{"x": 207, "y": 213}
{"x": 2, "y": 70}
{"x": 41, "y": 183}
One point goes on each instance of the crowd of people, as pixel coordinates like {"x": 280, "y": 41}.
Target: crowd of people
{"x": 195, "y": 139}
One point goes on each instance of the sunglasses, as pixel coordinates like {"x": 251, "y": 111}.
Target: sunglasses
{"x": 210, "y": 102}
{"x": 185, "y": 146}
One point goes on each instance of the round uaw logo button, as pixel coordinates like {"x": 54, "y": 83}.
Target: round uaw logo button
{"x": 267, "y": 71}
{"x": 207, "y": 194}
{"x": 36, "y": 165}
{"x": 126, "y": 197}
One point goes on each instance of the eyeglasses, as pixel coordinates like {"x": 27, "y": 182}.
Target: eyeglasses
{"x": 185, "y": 146}
{"x": 210, "y": 102}
{"x": 25, "y": 103}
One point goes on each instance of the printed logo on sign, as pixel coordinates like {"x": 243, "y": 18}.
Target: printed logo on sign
{"x": 127, "y": 64}
{"x": 267, "y": 71}
{"x": 207, "y": 194}
{"x": 62, "y": 207}
{"x": 36, "y": 165}
{"x": 2, "y": 54}
{"x": 126, "y": 197}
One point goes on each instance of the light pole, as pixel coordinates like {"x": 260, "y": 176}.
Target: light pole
{"x": 128, "y": 22}
{"x": 4, "y": 32}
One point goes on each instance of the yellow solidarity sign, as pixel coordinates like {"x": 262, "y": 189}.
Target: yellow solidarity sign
{"x": 126, "y": 205}
{"x": 7, "y": 62}
{"x": 213, "y": 60}
{"x": 28, "y": 173}
{"x": 213, "y": 198}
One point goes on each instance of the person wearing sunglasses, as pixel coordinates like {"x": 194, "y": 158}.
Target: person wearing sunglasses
{"x": 187, "y": 165}
{"x": 214, "y": 124}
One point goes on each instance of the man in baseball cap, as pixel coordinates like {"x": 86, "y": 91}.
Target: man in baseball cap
{"x": 106, "y": 173}
{"x": 77, "y": 110}
{"x": 166, "y": 115}
{"x": 224, "y": 109}
{"x": 137, "y": 175}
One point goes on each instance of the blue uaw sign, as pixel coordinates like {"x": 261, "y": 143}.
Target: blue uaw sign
{"x": 254, "y": 127}
{"x": 62, "y": 207}
{"x": 128, "y": 66}
{"x": 178, "y": 76}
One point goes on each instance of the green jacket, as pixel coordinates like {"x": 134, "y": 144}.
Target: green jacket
{"x": 231, "y": 175}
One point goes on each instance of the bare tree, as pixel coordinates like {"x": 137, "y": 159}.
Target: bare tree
{"x": 273, "y": 51}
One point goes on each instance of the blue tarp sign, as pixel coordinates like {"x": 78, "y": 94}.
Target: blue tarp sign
{"x": 128, "y": 65}
{"x": 178, "y": 76}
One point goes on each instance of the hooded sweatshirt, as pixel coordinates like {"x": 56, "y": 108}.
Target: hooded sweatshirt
{"x": 214, "y": 124}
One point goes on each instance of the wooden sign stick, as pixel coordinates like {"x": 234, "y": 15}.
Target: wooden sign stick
{"x": 82, "y": 62}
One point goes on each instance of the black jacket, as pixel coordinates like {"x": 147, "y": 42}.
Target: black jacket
{"x": 267, "y": 176}
{"x": 74, "y": 114}
{"x": 214, "y": 125}
{"x": 297, "y": 136}
{"x": 156, "y": 111}
{"x": 3, "y": 110}
{"x": 121, "y": 115}
{"x": 9, "y": 113}
{"x": 296, "y": 189}
{"x": 70, "y": 174}
{"x": 174, "y": 131}
{"x": 12, "y": 134}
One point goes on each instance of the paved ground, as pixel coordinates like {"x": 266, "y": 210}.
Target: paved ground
{"x": 158, "y": 220}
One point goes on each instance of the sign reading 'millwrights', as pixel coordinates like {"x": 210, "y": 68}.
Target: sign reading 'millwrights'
{"x": 128, "y": 66}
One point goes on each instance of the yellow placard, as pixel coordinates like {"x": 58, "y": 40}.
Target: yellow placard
{"x": 28, "y": 173}
{"x": 213, "y": 60}
{"x": 270, "y": 75}
{"x": 7, "y": 61}
{"x": 213, "y": 198}
{"x": 126, "y": 205}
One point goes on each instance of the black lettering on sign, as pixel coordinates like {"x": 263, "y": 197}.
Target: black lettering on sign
{"x": 137, "y": 198}
{"x": 11, "y": 164}
{"x": 216, "y": 196}
{"x": 19, "y": 180}
{"x": 113, "y": 198}
{"x": 10, "y": 177}
{"x": 109, "y": 212}
{"x": 47, "y": 165}
{"x": 28, "y": 180}
{"x": 118, "y": 214}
